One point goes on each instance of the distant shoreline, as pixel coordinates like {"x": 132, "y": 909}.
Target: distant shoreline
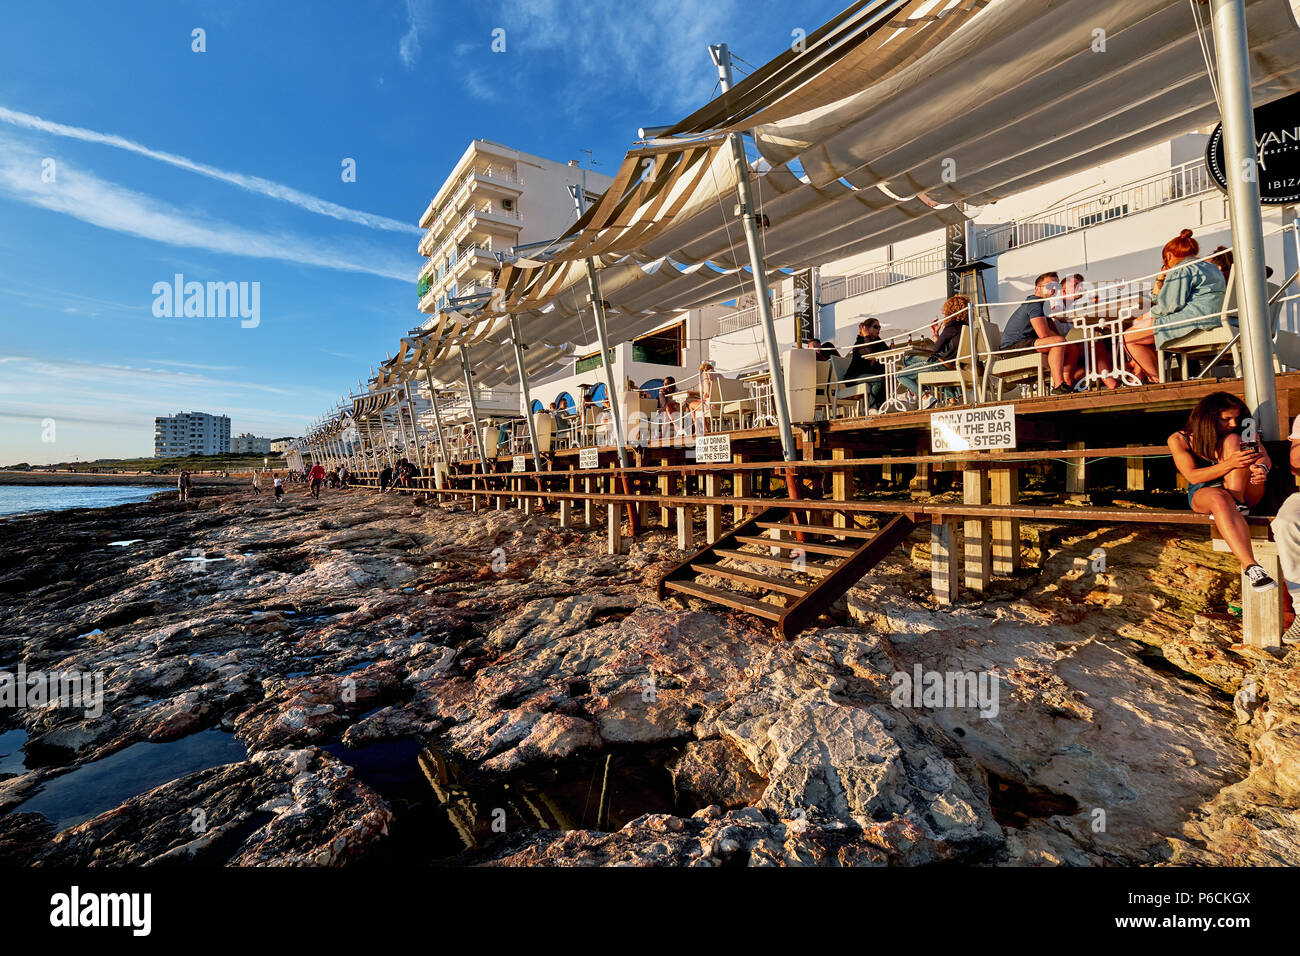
{"x": 111, "y": 478}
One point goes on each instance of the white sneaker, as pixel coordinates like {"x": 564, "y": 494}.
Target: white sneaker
{"x": 1259, "y": 579}
{"x": 927, "y": 402}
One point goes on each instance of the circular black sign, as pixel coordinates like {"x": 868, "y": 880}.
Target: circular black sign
{"x": 1277, "y": 144}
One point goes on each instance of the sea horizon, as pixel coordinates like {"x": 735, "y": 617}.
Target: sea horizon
{"x": 18, "y": 500}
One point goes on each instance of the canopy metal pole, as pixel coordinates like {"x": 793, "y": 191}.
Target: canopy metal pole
{"x": 473, "y": 411}
{"x": 364, "y": 443}
{"x": 598, "y": 312}
{"x": 415, "y": 430}
{"x": 388, "y": 451}
{"x": 437, "y": 417}
{"x": 1240, "y": 162}
{"x": 722, "y": 58}
{"x": 523, "y": 385}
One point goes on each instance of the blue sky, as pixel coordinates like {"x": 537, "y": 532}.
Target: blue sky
{"x": 127, "y": 157}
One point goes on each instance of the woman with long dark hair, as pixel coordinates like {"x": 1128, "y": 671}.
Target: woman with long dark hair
{"x": 1225, "y": 477}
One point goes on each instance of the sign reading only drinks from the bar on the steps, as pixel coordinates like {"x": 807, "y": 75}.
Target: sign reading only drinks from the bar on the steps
{"x": 520, "y": 463}
{"x": 588, "y": 458}
{"x": 973, "y": 429}
{"x": 713, "y": 448}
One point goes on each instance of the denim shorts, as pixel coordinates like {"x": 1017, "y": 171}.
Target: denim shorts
{"x": 1193, "y": 489}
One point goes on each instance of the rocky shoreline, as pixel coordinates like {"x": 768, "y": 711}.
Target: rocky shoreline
{"x": 414, "y": 683}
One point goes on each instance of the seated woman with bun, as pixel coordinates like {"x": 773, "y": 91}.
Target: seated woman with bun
{"x": 1190, "y": 297}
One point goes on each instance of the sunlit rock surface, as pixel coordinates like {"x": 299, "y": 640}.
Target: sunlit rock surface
{"x": 508, "y": 646}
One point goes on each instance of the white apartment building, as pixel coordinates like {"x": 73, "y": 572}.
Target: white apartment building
{"x": 495, "y": 198}
{"x": 191, "y": 433}
{"x": 247, "y": 444}
{"x": 281, "y": 446}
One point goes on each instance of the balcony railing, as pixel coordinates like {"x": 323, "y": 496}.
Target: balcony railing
{"x": 748, "y": 318}
{"x": 916, "y": 266}
{"x": 495, "y": 174}
{"x": 1162, "y": 189}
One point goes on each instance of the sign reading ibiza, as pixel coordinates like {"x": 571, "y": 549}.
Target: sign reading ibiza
{"x": 1277, "y": 147}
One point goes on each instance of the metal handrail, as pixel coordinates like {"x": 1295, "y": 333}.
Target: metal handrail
{"x": 916, "y": 266}
{"x": 1152, "y": 192}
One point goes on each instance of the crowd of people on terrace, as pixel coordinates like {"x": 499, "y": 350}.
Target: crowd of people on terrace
{"x": 1187, "y": 295}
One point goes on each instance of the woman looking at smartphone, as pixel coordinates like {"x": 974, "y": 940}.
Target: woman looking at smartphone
{"x": 1225, "y": 476}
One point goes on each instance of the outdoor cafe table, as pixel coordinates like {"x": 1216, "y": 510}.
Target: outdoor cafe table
{"x": 759, "y": 383}
{"x": 1089, "y": 330}
{"x": 892, "y": 358}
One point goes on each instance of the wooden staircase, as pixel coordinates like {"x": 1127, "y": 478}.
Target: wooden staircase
{"x": 775, "y": 565}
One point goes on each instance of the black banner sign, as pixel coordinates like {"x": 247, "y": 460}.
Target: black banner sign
{"x": 803, "y": 307}
{"x": 1277, "y": 146}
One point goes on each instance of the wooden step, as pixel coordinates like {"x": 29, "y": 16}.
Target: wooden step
{"x": 812, "y": 567}
{"x": 810, "y": 547}
{"x": 823, "y": 529}
{"x": 753, "y": 579}
{"x": 732, "y": 599}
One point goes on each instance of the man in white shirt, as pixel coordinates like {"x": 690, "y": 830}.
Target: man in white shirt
{"x": 1286, "y": 532}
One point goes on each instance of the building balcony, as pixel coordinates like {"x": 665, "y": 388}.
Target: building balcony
{"x": 505, "y": 180}
{"x": 919, "y": 265}
{"x": 1152, "y": 192}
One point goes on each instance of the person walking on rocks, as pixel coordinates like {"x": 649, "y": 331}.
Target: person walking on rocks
{"x": 183, "y": 485}
{"x": 316, "y": 476}
{"x": 257, "y": 482}
{"x": 279, "y": 488}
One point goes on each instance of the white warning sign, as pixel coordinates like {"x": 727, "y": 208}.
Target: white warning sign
{"x": 973, "y": 429}
{"x": 713, "y": 449}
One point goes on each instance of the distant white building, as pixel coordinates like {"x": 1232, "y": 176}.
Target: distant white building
{"x": 191, "y": 433}
{"x": 247, "y": 444}
{"x": 280, "y": 446}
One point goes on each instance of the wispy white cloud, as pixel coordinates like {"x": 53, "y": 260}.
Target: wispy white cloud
{"x": 255, "y": 184}
{"x": 130, "y": 376}
{"x": 417, "y": 20}
{"x": 661, "y": 50}
{"x": 477, "y": 86}
{"x": 84, "y": 196}
{"x": 82, "y": 397}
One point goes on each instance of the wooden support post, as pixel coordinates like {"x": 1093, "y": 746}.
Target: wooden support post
{"x": 1076, "y": 472}
{"x": 665, "y": 488}
{"x": 944, "y": 567}
{"x": 614, "y": 521}
{"x": 1004, "y": 489}
{"x": 921, "y": 483}
{"x": 526, "y": 501}
{"x": 712, "y": 513}
{"x": 1136, "y": 469}
{"x": 566, "y": 512}
{"x": 588, "y": 505}
{"x": 685, "y": 528}
{"x": 740, "y": 487}
{"x": 840, "y": 483}
{"x": 975, "y": 491}
{"x": 1261, "y": 614}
